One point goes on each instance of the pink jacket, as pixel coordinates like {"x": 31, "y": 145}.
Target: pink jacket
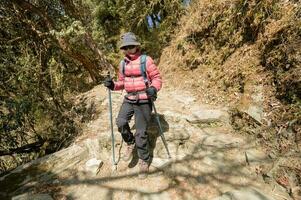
{"x": 132, "y": 80}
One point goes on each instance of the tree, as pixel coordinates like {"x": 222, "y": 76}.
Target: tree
{"x": 51, "y": 50}
{"x": 152, "y": 20}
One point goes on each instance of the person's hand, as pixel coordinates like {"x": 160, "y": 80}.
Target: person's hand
{"x": 108, "y": 82}
{"x": 152, "y": 93}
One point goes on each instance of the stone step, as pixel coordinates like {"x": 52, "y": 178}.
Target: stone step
{"x": 41, "y": 170}
{"x": 244, "y": 194}
{"x": 29, "y": 196}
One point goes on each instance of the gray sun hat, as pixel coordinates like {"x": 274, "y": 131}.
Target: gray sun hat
{"x": 129, "y": 39}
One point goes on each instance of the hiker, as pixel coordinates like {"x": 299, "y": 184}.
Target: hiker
{"x": 140, "y": 78}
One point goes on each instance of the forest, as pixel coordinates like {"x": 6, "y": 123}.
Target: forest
{"x": 53, "y": 50}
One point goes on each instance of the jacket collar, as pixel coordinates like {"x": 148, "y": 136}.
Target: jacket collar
{"x": 135, "y": 56}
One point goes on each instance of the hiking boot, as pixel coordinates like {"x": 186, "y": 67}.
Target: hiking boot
{"x": 128, "y": 154}
{"x": 143, "y": 169}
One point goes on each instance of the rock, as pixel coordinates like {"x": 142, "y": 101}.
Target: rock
{"x": 93, "y": 165}
{"x": 251, "y": 102}
{"x": 296, "y": 192}
{"x": 42, "y": 169}
{"x": 105, "y": 141}
{"x": 215, "y": 162}
{"x": 159, "y": 196}
{"x": 93, "y": 147}
{"x": 196, "y": 151}
{"x": 243, "y": 194}
{"x": 204, "y": 115}
{"x": 256, "y": 112}
{"x": 255, "y": 156}
{"x": 56, "y": 181}
{"x": 163, "y": 162}
{"x": 186, "y": 100}
{"x": 160, "y": 162}
{"x": 221, "y": 140}
{"x": 173, "y": 135}
{"x": 28, "y": 196}
{"x": 174, "y": 116}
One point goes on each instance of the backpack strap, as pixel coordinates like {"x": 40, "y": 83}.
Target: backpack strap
{"x": 122, "y": 66}
{"x": 143, "y": 68}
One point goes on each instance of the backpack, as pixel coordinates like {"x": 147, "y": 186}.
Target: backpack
{"x": 142, "y": 68}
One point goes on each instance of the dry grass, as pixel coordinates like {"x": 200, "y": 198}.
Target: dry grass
{"x": 226, "y": 52}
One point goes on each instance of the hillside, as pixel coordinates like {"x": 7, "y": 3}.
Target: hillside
{"x": 230, "y": 104}
{"x": 245, "y": 55}
{"x": 208, "y": 161}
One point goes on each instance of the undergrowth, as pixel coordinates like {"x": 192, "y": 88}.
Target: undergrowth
{"x": 227, "y": 52}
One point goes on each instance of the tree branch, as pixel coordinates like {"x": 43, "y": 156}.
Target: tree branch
{"x": 28, "y": 6}
{"x": 91, "y": 66}
{"x": 70, "y": 8}
{"x": 28, "y": 148}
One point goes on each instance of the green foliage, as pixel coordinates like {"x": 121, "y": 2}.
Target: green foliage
{"x": 114, "y": 17}
{"x": 35, "y": 76}
{"x": 52, "y": 50}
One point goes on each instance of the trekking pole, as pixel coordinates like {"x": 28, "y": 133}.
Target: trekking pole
{"x": 111, "y": 123}
{"x": 160, "y": 128}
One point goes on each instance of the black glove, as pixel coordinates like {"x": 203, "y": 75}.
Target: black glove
{"x": 108, "y": 82}
{"x": 152, "y": 93}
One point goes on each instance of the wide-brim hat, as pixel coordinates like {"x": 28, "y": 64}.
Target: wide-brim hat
{"x": 129, "y": 39}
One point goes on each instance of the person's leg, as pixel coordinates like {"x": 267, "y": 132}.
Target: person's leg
{"x": 142, "y": 118}
{"x": 124, "y": 116}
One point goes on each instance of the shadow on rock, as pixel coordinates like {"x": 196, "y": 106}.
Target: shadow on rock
{"x": 154, "y": 130}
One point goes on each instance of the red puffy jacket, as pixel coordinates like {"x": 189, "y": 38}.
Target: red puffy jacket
{"x": 132, "y": 80}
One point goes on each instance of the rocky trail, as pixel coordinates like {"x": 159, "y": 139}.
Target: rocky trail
{"x": 208, "y": 160}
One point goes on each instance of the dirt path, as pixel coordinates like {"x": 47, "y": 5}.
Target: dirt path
{"x": 208, "y": 160}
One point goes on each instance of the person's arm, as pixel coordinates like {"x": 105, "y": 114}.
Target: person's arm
{"x": 153, "y": 74}
{"x": 119, "y": 84}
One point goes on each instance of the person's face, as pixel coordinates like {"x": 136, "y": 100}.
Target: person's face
{"x": 129, "y": 49}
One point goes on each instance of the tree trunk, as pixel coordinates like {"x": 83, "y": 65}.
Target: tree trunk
{"x": 92, "y": 66}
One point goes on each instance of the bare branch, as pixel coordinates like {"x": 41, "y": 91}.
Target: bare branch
{"x": 28, "y": 6}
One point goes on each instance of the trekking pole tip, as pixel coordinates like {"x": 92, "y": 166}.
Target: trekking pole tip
{"x": 114, "y": 168}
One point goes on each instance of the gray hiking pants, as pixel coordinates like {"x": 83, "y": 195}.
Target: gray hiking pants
{"x": 142, "y": 112}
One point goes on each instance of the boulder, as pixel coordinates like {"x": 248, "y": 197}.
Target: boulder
{"x": 28, "y": 196}
{"x": 244, "y": 194}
